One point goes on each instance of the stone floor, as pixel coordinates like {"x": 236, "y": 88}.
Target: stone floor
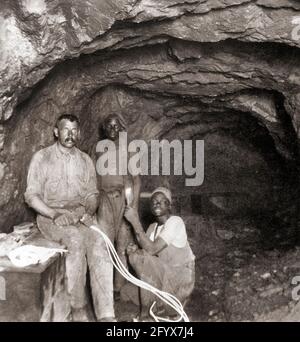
{"x": 238, "y": 277}
{"x": 242, "y": 273}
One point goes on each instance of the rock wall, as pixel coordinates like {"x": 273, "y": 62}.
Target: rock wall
{"x": 226, "y": 71}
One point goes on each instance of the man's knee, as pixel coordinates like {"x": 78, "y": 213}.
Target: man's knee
{"x": 99, "y": 252}
{"x": 96, "y": 240}
{"x": 74, "y": 239}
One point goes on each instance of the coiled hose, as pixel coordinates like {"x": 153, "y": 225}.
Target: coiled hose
{"x": 166, "y": 297}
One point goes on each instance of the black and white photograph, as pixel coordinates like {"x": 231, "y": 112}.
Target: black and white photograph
{"x": 149, "y": 162}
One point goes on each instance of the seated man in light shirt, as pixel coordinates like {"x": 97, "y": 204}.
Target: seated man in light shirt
{"x": 163, "y": 258}
{"x": 61, "y": 188}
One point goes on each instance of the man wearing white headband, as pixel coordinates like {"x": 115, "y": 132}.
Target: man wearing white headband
{"x": 163, "y": 258}
{"x": 164, "y": 191}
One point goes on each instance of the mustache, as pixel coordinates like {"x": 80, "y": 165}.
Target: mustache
{"x": 69, "y": 140}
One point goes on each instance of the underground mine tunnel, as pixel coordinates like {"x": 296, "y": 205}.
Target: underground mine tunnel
{"x": 172, "y": 80}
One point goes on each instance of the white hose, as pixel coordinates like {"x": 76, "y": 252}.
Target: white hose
{"x": 166, "y": 297}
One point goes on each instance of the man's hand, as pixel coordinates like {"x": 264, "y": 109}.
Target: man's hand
{"x": 87, "y": 220}
{"x": 91, "y": 204}
{"x": 131, "y": 248}
{"x": 131, "y": 214}
{"x": 65, "y": 219}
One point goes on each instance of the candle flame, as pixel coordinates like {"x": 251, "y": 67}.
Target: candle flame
{"x": 128, "y": 195}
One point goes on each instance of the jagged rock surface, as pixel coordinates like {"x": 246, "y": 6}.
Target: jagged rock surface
{"x": 35, "y": 35}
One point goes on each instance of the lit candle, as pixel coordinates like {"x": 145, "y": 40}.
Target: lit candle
{"x": 128, "y": 195}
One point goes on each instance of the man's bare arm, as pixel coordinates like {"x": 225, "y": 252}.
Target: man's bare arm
{"x": 59, "y": 218}
{"x": 91, "y": 204}
{"x": 136, "y": 191}
{"x": 152, "y": 247}
{"x": 40, "y": 207}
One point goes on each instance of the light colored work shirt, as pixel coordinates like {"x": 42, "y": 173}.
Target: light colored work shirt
{"x": 61, "y": 178}
{"x": 173, "y": 232}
